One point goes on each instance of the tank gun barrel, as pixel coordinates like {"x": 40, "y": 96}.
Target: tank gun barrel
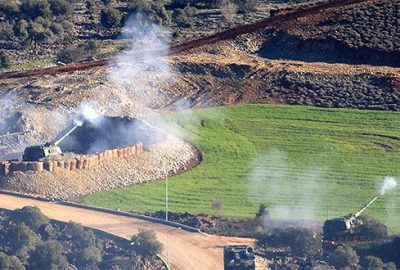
{"x": 78, "y": 124}
{"x": 366, "y": 206}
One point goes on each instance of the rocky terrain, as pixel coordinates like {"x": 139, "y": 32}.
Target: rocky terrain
{"x": 158, "y": 162}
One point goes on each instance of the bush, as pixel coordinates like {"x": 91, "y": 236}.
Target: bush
{"x": 82, "y": 237}
{"x": 6, "y": 31}
{"x": 135, "y": 5}
{"x": 373, "y": 263}
{"x": 21, "y": 29}
{"x": 245, "y": 6}
{"x": 71, "y": 55}
{"x": 110, "y": 17}
{"x": 145, "y": 243}
{"x": 4, "y": 60}
{"x": 302, "y": 242}
{"x": 49, "y": 255}
{"x": 61, "y": 7}
{"x": 89, "y": 256}
{"x": 21, "y": 237}
{"x": 107, "y": 2}
{"x": 372, "y": 228}
{"x": 10, "y": 8}
{"x": 344, "y": 256}
{"x": 36, "y": 8}
{"x": 30, "y": 216}
{"x": 181, "y": 18}
{"x": 57, "y": 29}
{"x": 10, "y": 262}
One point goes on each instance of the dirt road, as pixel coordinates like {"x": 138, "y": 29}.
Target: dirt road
{"x": 185, "y": 250}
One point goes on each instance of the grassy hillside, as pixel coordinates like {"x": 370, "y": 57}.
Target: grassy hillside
{"x": 305, "y": 162}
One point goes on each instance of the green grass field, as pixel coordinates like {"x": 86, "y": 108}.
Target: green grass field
{"x": 304, "y": 162}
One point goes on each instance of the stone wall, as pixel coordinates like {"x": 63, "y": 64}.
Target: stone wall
{"x": 82, "y": 162}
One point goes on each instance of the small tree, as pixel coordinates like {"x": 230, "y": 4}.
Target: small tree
{"x": 145, "y": 243}
{"x": 20, "y": 237}
{"x": 4, "y": 60}
{"x": 71, "y": 54}
{"x": 49, "y": 255}
{"x": 344, "y": 256}
{"x": 217, "y": 205}
{"x": 89, "y": 256}
{"x": 374, "y": 263}
{"x": 61, "y": 7}
{"x": 10, "y": 262}
{"x": 181, "y": 18}
{"x": 31, "y": 216}
{"x": 35, "y": 8}
{"x": 110, "y": 17}
{"x": 82, "y": 237}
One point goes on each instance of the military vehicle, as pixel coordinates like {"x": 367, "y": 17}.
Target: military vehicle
{"x": 344, "y": 228}
{"x": 238, "y": 257}
{"x": 48, "y": 150}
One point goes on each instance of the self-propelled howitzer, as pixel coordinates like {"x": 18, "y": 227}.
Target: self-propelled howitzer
{"x": 342, "y": 227}
{"x": 48, "y": 150}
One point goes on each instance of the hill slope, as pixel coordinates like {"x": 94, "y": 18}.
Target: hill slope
{"x": 327, "y": 162}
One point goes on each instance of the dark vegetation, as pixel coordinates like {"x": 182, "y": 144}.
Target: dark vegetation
{"x": 32, "y": 22}
{"x": 29, "y": 240}
{"x": 369, "y": 34}
{"x": 335, "y": 91}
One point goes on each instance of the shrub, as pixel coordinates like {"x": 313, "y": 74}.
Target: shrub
{"x": 373, "y": 263}
{"x": 61, "y": 7}
{"x": 6, "y": 31}
{"x": 372, "y": 228}
{"x": 262, "y": 211}
{"x": 107, "y": 2}
{"x": 82, "y": 237}
{"x": 20, "y": 236}
{"x": 10, "y": 262}
{"x": 145, "y": 243}
{"x": 40, "y": 33}
{"x": 135, "y": 5}
{"x": 10, "y": 8}
{"x": 181, "y": 18}
{"x": 21, "y": 29}
{"x": 89, "y": 256}
{"x": 57, "y": 29}
{"x": 92, "y": 48}
{"x": 71, "y": 55}
{"x": 344, "y": 256}
{"x": 49, "y": 255}
{"x": 110, "y": 17}
{"x": 303, "y": 242}
{"x": 245, "y": 6}
{"x": 31, "y": 216}
{"x": 36, "y": 8}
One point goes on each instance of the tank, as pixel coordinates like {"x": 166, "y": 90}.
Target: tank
{"x": 48, "y": 150}
{"x": 238, "y": 257}
{"x": 343, "y": 228}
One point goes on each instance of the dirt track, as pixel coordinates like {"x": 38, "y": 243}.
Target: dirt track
{"x": 212, "y": 39}
{"x": 186, "y": 250}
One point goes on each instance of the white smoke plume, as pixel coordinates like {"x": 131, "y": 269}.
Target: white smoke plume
{"x": 388, "y": 184}
{"x": 141, "y": 70}
{"x": 299, "y": 197}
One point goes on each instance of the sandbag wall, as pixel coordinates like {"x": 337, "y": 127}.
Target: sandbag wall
{"x": 78, "y": 163}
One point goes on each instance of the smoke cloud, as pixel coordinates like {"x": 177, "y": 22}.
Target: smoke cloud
{"x": 388, "y": 184}
{"x": 299, "y": 198}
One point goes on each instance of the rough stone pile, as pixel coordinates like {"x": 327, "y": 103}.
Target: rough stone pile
{"x": 157, "y": 162}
